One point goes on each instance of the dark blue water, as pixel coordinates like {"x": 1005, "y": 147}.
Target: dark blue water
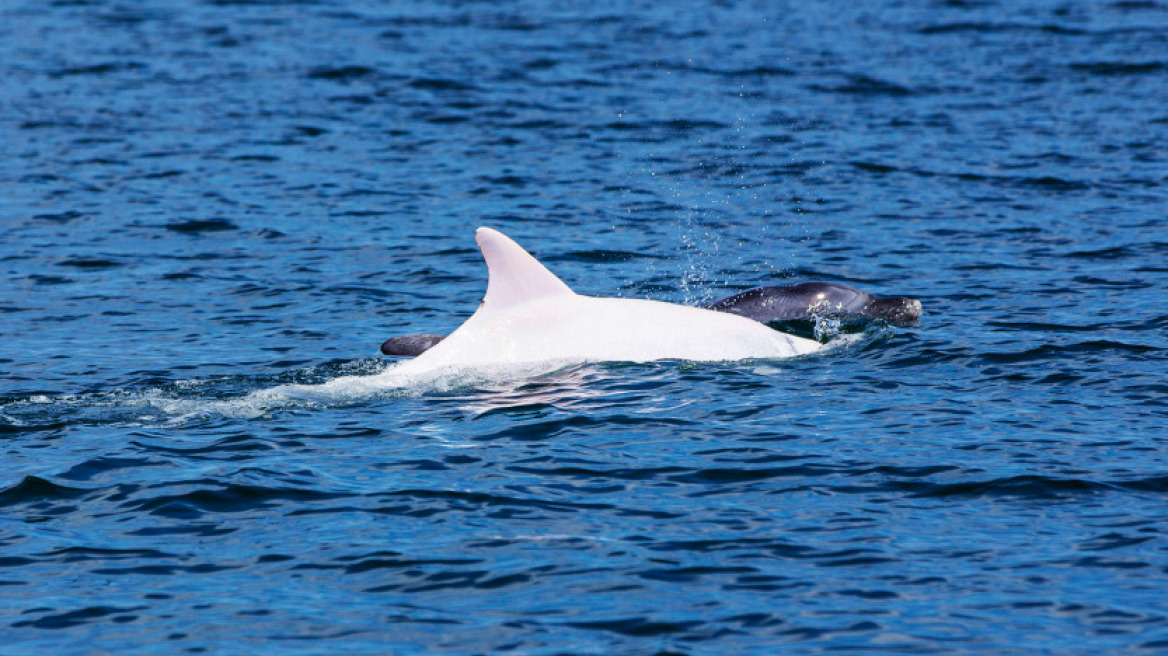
{"x": 204, "y": 202}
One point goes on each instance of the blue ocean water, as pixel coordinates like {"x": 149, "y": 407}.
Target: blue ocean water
{"x": 202, "y": 202}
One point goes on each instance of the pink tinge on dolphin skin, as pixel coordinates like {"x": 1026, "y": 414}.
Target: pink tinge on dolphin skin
{"x": 513, "y": 275}
{"x": 530, "y": 317}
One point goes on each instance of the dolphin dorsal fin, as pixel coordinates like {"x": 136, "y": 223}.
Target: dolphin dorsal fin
{"x": 513, "y": 275}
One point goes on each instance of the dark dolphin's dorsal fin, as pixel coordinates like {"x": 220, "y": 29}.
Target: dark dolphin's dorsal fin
{"x": 513, "y": 275}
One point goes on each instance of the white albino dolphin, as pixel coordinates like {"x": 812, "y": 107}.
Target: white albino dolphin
{"x": 530, "y": 316}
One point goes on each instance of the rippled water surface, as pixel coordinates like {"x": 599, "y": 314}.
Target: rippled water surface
{"x": 212, "y": 213}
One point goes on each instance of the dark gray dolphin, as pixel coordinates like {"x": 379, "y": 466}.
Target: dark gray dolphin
{"x": 804, "y": 301}
{"x": 808, "y": 300}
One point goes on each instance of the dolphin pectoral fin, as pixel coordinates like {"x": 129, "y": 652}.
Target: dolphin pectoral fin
{"x": 410, "y": 345}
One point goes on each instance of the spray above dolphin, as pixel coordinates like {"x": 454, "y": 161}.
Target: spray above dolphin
{"x": 634, "y": 330}
{"x": 529, "y": 315}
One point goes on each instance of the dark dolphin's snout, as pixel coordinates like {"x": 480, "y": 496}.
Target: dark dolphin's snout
{"x": 896, "y": 310}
